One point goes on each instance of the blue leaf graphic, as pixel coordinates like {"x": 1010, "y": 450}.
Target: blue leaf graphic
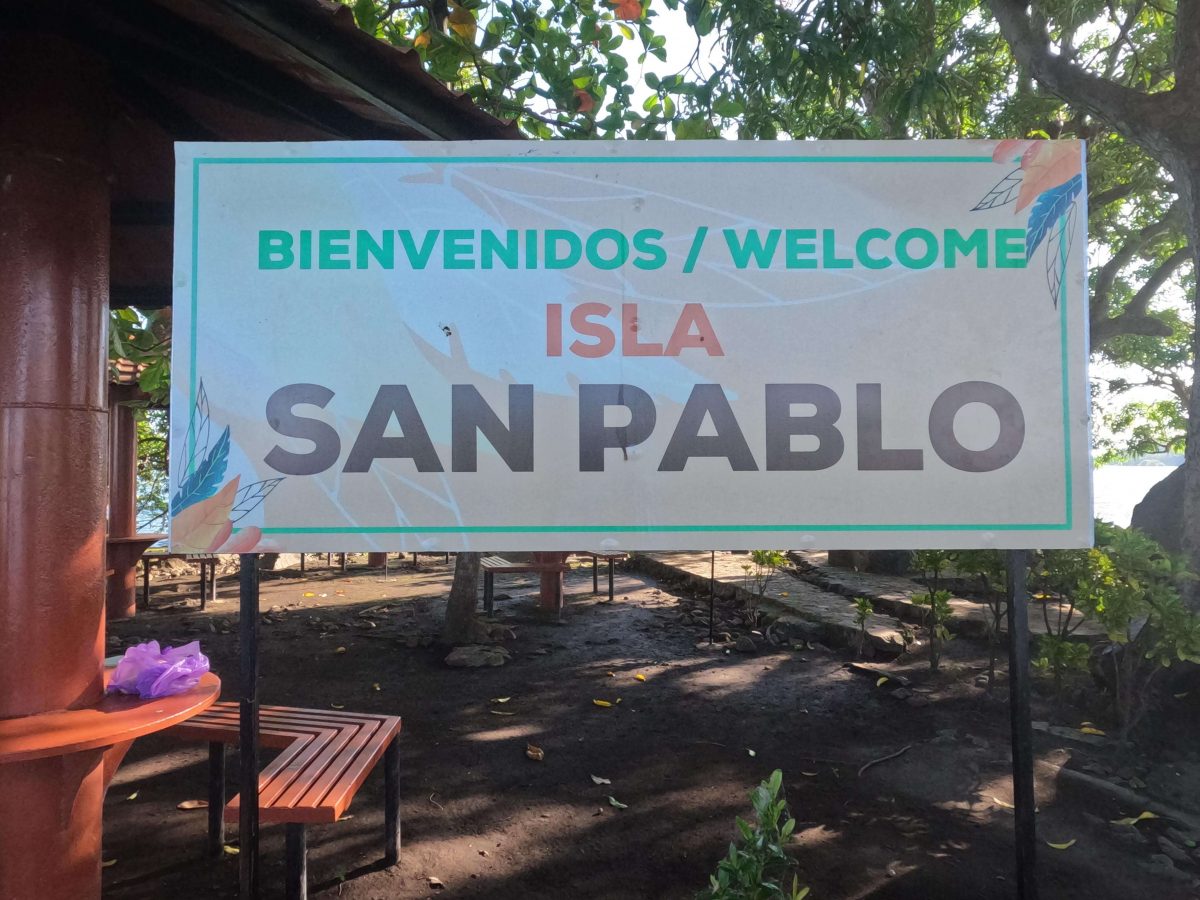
{"x": 1046, "y": 209}
{"x": 203, "y": 482}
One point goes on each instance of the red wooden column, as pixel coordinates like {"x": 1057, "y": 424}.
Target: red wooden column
{"x": 550, "y": 594}
{"x": 54, "y": 239}
{"x": 122, "y": 502}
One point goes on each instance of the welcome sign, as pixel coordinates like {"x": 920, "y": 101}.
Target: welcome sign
{"x": 568, "y": 346}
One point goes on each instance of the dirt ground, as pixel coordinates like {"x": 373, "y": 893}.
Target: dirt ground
{"x": 682, "y": 750}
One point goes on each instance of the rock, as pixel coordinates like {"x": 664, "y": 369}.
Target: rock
{"x": 474, "y": 656}
{"x": 902, "y": 693}
{"x": 745, "y": 644}
{"x": 1160, "y": 512}
{"x": 916, "y": 700}
{"x": 793, "y": 628}
{"x": 1177, "y": 854}
{"x": 889, "y": 562}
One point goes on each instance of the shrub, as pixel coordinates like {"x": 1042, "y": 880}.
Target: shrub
{"x": 757, "y": 869}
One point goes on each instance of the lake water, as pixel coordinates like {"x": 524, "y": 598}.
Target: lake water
{"x": 1116, "y": 490}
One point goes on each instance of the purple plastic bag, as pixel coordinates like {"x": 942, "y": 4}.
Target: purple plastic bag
{"x": 150, "y": 673}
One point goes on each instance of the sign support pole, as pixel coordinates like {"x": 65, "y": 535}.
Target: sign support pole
{"x": 248, "y": 727}
{"x": 1016, "y": 564}
{"x": 712, "y": 592}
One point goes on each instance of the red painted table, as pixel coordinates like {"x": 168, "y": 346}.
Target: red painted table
{"x": 40, "y": 750}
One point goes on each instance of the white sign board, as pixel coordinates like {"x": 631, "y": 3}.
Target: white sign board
{"x": 582, "y": 345}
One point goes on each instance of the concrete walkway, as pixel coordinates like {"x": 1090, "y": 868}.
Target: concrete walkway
{"x": 801, "y": 608}
{"x": 892, "y": 594}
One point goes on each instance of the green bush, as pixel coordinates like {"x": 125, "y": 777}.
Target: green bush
{"x": 1130, "y": 586}
{"x": 757, "y": 869}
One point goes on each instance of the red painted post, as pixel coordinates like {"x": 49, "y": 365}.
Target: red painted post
{"x": 54, "y": 241}
{"x": 376, "y": 560}
{"x": 121, "y": 593}
{"x": 550, "y": 596}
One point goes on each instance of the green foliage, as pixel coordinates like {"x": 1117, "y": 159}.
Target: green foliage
{"x": 988, "y": 566}
{"x": 937, "y": 614}
{"x": 152, "y": 469}
{"x": 756, "y": 866}
{"x": 764, "y": 566}
{"x": 863, "y": 610}
{"x": 1060, "y": 656}
{"x": 1130, "y": 586}
{"x": 144, "y": 339}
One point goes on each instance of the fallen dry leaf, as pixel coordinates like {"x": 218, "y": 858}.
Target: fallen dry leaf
{"x": 231, "y": 850}
{"x": 882, "y": 680}
{"x": 613, "y": 801}
{"x": 435, "y": 882}
{"x": 338, "y": 705}
{"x": 1067, "y": 846}
{"x": 639, "y": 677}
{"x": 132, "y": 796}
{"x": 751, "y": 752}
{"x": 375, "y": 686}
{"x": 500, "y": 699}
{"x": 537, "y": 754}
{"x": 596, "y": 779}
{"x": 602, "y": 703}
{"x": 809, "y": 774}
{"x": 1133, "y": 820}
{"x": 340, "y": 650}
{"x": 500, "y": 712}
{"x": 107, "y": 863}
{"x": 193, "y": 804}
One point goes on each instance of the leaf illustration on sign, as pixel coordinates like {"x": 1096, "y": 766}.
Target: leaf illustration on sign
{"x": 1046, "y": 210}
{"x": 1003, "y": 193}
{"x": 251, "y": 496}
{"x": 205, "y": 477}
{"x": 1056, "y": 264}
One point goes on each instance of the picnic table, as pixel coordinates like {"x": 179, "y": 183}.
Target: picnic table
{"x": 38, "y": 749}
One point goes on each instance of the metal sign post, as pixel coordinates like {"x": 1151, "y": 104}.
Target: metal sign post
{"x": 248, "y": 727}
{"x": 1016, "y": 562}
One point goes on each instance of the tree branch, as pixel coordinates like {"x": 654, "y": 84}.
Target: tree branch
{"x": 1141, "y": 300}
{"x": 1136, "y": 115}
{"x": 1111, "y": 195}
{"x": 1107, "y": 276}
{"x": 1107, "y": 329}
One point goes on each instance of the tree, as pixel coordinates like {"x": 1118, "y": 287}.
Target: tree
{"x": 459, "y": 627}
{"x": 1148, "y": 93}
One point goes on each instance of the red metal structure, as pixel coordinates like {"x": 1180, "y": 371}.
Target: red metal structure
{"x": 92, "y": 96}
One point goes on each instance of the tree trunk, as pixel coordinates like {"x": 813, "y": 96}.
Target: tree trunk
{"x": 1188, "y": 184}
{"x": 459, "y": 627}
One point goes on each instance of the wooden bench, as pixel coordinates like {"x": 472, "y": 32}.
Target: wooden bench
{"x": 208, "y": 573}
{"x": 498, "y": 565}
{"x": 612, "y": 559}
{"x": 325, "y": 757}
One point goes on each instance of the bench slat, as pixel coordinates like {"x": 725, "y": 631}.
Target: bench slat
{"x": 318, "y": 793}
{"x": 356, "y": 773}
{"x": 326, "y": 766}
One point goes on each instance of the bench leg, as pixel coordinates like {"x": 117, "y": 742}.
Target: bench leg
{"x": 595, "y": 576}
{"x": 488, "y": 590}
{"x": 343, "y": 563}
{"x": 611, "y": 563}
{"x": 216, "y": 799}
{"x": 145, "y": 584}
{"x": 203, "y": 584}
{"x": 212, "y": 580}
{"x": 296, "y": 852}
{"x": 302, "y": 563}
{"x": 391, "y": 803}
